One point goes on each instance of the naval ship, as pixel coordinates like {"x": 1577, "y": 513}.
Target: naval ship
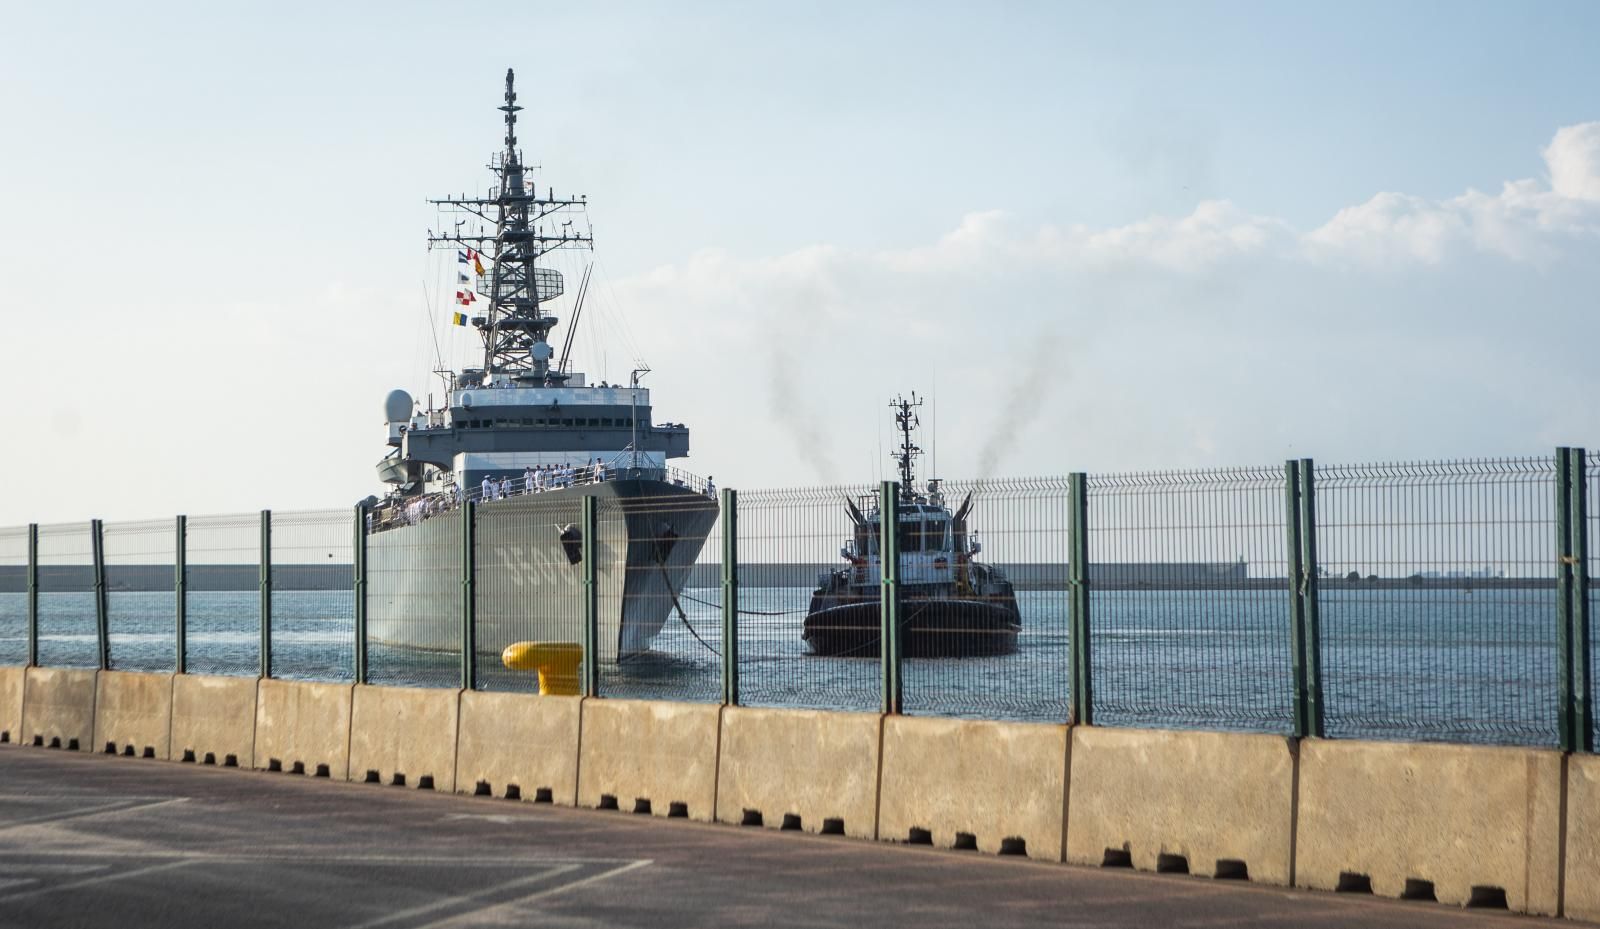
{"x": 951, "y": 606}
{"x": 526, "y": 438}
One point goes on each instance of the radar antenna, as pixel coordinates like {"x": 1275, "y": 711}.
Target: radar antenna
{"x": 516, "y": 330}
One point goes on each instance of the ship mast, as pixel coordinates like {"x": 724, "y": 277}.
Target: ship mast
{"x": 905, "y": 419}
{"x": 527, "y": 226}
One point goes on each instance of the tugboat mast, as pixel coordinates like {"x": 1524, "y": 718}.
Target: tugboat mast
{"x": 905, "y": 419}
{"x": 516, "y": 330}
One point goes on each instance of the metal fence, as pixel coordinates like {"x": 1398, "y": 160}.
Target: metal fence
{"x": 311, "y": 595}
{"x": 659, "y": 624}
{"x": 1189, "y": 600}
{"x": 222, "y": 594}
{"x": 1441, "y": 601}
{"x": 1438, "y": 602}
{"x": 415, "y": 599}
{"x": 784, "y": 540}
{"x": 1020, "y": 528}
{"x": 14, "y": 545}
{"x": 67, "y": 616}
{"x": 141, "y": 595}
{"x": 528, "y": 587}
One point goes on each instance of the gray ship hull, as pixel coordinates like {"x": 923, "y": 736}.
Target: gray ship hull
{"x": 528, "y": 577}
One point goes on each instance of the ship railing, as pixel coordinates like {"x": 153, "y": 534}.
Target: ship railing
{"x": 397, "y": 512}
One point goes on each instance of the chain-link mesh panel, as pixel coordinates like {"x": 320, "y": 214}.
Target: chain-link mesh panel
{"x": 1438, "y": 600}
{"x": 1189, "y": 600}
{"x": 657, "y": 640}
{"x": 984, "y": 603}
{"x": 14, "y": 595}
{"x": 789, "y": 552}
{"x": 313, "y": 595}
{"x": 67, "y": 634}
{"x": 414, "y": 602}
{"x": 222, "y": 577}
{"x": 528, "y": 582}
{"x": 141, "y": 594}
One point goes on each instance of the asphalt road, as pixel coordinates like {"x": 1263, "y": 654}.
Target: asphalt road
{"x": 96, "y": 841}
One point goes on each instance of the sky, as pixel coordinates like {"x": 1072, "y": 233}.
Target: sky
{"x": 1096, "y": 237}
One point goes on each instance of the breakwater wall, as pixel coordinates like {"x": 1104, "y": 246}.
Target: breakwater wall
{"x": 1463, "y": 825}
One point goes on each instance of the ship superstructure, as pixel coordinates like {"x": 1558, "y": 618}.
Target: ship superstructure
{"x": 525, "y": 407}
{"x": 525, "y": 437}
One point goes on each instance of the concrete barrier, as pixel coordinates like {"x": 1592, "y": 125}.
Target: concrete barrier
{"x": 58, "y": 708}
{"x": 663, "y": 754}
{"x": 988, "y": 782}
{"x": 213, "y": 719}
{"x": 1212, "y": 803}
{"x": 1469, "y": 819}
{"x": 12, "y": 680}
{"x": 133, "y": 714}
{"x": 303, "y": 727}
{"x": 1583, "y": 838}
{"x": 404, "y": 736}
{"x": 819, "y": 767}
{"x": 520, "y": 741}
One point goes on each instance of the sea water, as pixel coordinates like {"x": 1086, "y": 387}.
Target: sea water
{"x": 1457, "y": 665}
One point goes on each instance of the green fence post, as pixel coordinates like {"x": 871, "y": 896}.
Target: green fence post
{"x": 889, "y": 598}
{"x": 102, "y": 627}
{"x": 33, "y": 595}
{"x": 1565, "y": 735}
{"x": 358, "y": 558}
{"x": 266, "y": 593}
{"x": 1573, "y": 723}
{"x": 1297, "y": 620}
{"x": 180, "y": 592}
{"x": 730, "y": 597}
{"x": 1078, "y": 582}
{"x": 590, "y": 664}
{"x": 1311, "y": 614}
{"x": 469, "y": 596}
{"x": 1582, "y": 710}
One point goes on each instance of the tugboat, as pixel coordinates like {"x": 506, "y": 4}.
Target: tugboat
{"x": 527, "y": 438}
{"x": 951, "y": 606}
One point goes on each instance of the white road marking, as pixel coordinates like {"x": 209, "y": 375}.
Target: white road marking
{"x": 91, "y": 881}
{"x": 125, "y": 805}
{"x": 502, "y": 819}
{"x": 466, "y": 898}
{"x": 513, "y": 905}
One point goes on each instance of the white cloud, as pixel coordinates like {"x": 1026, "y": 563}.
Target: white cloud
{"x": 1218, "y": 337}
{"x": 1574, "y": 160}
{"x": 1527, "y": 221}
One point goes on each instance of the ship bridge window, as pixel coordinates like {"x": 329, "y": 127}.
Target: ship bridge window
{"x": 911, "y": 536}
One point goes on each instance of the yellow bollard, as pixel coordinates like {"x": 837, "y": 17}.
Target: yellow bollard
{"x": 556, "y": 662}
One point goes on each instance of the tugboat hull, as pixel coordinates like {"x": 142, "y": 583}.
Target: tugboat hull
{"x": 929, "y": 627}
